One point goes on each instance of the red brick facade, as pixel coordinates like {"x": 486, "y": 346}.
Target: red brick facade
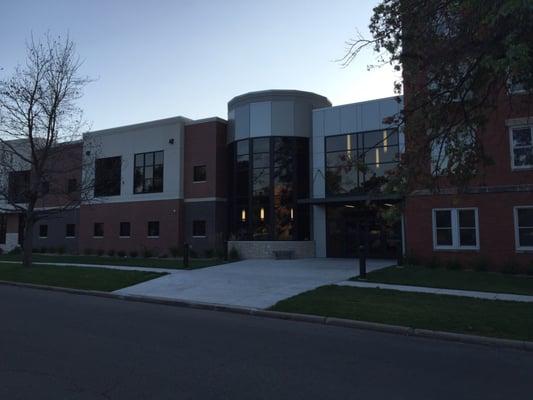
{"x": 138, "y": 214}
{"x": 497, "y": 191}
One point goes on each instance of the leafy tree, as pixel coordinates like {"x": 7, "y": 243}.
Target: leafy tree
{"x": 460, "y": 60}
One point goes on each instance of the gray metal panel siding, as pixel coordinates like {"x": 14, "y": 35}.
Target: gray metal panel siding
{"x": 260, "y": 118}
{"x": 282, "y": 118}
{"x": 242, "y": 122}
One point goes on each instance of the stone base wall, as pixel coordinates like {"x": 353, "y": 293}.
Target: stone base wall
{"x": 265, "y": 249}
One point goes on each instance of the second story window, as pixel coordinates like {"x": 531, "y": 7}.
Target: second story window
{"x": 199, "y": 173}
{"x": 522, "y": 147}
{"x": 107, "y": 176}
{"x": 148, "y": 175}
{"x": 19, "y": 184}
{"x": 72, "y": 185}
{"x": 359, "y": 162}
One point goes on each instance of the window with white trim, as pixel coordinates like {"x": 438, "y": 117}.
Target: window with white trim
{"x": 455, "y": 228}
{"x": 522, "y": 147}
{"x": 523, "y": 222}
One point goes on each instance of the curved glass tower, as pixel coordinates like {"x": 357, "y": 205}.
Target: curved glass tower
{"x": 268, "y": 140}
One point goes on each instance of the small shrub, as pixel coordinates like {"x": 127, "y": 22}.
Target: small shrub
{"x": 121, "y": 253}
{"x": 234, "y": 254}
{"x": 192, "y": 253}
{"x": 88, "y": 252}
{"x": 61, "y": 250}
{"x": 165, "y": 255}
{"x": 434, "y": 263}
{"x": 15, "y": 251}
{"x": 147, "y": 253}
{"x": 43, "y": 250}
{"x": 479, "y": 264}
{"x": 100, "y": 252}
{"x": 453, "y": 264}
{"x": 175, "y": 251}
{"x": 411, "y": 259}
{"x": 529, "y": 269}
{"x": 111, "y": 252}
{"x": 510, "y": 267}
{"x": 133, "y": 254}
{"x": 220, "y": 254}
{"x": 209, "y": 253}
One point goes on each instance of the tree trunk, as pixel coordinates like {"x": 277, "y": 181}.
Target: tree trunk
{"x": 27, "y": 245}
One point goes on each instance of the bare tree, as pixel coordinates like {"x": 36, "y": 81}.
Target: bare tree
{"x": 40, "y": 125}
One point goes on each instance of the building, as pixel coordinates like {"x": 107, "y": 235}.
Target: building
{"x": 288, "y": 171}
{"x": 279, "y": 175}
{"x": 491, "y": 222}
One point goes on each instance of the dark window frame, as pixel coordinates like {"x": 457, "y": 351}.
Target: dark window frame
{"x": 43, "y": 231}
{"x": 360, "y": 150}
{"x": 153, "y": 229}
{"x": 72, "y": 185}
{"x": 123, "y": 231}
{"x": 68, "y": 234}
{"x": 201, "y": 225}
{"x": 107, "y": 176}
{"x": 138, "y": 176}
{"x": 98, "y": 230}
{"x": 19, "y": 185}
{"x": 284, "y": 218}
{"x": 199, "y": 174}
{"x": 3, "y": 228}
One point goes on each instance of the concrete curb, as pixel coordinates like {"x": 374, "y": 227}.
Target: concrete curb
{"x": 315, "y": 319}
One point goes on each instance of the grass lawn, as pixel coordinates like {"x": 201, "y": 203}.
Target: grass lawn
{"x": 453, "y": 279}
{"x": 511, "y": 320}
{"x": 125, "y": 261}
{"x": 101, "y": 279}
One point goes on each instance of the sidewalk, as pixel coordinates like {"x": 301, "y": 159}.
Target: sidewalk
{"x": 120, "y": 267}
{"x": 449, "y": 292}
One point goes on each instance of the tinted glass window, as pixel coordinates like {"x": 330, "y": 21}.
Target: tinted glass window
{"x": 70, "y": 230}
{"x": 198, "y": 228}
{"x": 153, "y": 228}
{"x": 148, "y": 173}
{"x": 125, "y": 229}
{"x": 107, "y": 176}
{"x": 200, "y": 173}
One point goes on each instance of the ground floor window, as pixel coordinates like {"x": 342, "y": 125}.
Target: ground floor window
{"x": 70, "y": 230}
{"x": 125, "y": 229}
{"x": 523, "y": 223}
{"x": 455, "y": 228}
{"x": 3, "y": 228}
{"x": 98, "y": 230}
{"x": 43, "y": 231}
{"x": 153, "y": 228}
{"x": 198, "y": 229}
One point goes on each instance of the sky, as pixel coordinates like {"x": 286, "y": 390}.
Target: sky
{"x": 154, "y": 59}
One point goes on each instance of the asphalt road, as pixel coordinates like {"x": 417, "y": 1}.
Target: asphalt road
{"x": 63, "y": 346}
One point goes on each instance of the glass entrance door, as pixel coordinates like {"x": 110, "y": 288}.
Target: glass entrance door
{"x": 348, "y": 225}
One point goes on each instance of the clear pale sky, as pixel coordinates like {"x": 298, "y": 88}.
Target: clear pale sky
{"x": 162, "y": 58}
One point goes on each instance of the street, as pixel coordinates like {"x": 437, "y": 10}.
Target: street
{"x": 62, "y": 346}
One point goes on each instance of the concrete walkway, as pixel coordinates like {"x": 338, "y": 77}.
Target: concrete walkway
{"x": 449, "y": 292}
{"x": 251, "y": 283}
{"x": 120, "y": 267}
